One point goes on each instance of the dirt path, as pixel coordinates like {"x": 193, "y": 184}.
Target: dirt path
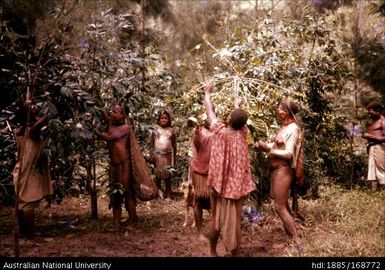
{"x": 67, "y": 230}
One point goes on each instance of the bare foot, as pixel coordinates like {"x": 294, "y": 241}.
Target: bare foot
{"x": 297, "y": 244}
{"x": 133, "y": 221}
{"x": 131, "y": 226}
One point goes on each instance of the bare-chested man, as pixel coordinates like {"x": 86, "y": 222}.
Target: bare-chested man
{"x": 283, "y": 154}
{"x": 376, "y": 145}
{"x": 117, "y": 138}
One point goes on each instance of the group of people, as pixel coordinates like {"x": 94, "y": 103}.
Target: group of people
{"x": 219, "y": 168}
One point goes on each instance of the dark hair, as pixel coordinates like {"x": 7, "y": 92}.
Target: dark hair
{"x": 238, "y": 119}
{"x": 160, "y": 115}
{"x": 375, "y": 106}
{"x": 121, "y": 108}
{"x": 291, "y": 107}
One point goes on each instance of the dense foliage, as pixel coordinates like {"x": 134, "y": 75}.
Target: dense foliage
{"x": 77, "y": 58}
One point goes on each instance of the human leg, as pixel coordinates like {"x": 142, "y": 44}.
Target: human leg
{"x": 116, "y": 203}
{"x": 131, "y": 208}
{"x": 198, "y": 211}
{"x": 117, "y": 213}
{"x": 21, "y": 221}
{"x": 158, "y": 183}
{"x": 26, "y": 217}
{"x": 213, "y": 237}
{"x": 238, "y": 205}
{"x": 189, "y": 197}
{"x": 130, "y": 199}
{"x": 283, "y": 178}
{"x": 162, "y": 172}
{"x": 379, "y": 166}
{"x": 116, "y": 197}
{"x": 289, "y": 209}
{"x": 168, "y": 187}
{"x": 372, "y": 169}
{"x": 29, "y": 218}
{"x": 374, "y": 186}
{"x": 187, "y": 208}
{"x": 213, "y": 234}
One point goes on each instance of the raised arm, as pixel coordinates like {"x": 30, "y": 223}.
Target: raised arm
{"x": 208, "y": 105}
{"x": 35, "y": 126}
{"x": 116, "y": 135}
{"x": 237, "y": 101}
{"x": 107, "y": 118}
{"x": 34, "y": 132}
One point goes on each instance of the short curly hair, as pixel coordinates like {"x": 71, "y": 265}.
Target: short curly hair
{"x": 238, "y": 119}
{"x": 375, "y": 106}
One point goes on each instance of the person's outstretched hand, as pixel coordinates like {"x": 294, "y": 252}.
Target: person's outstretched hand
{"x": 262, "y": 146}
{"x": 208, "y": 87}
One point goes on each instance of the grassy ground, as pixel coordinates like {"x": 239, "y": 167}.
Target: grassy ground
{"x": 340, "y": 223}
{"x": 343, "y": 223}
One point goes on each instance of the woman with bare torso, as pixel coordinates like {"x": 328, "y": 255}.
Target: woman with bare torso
{"x": 163, "y": 144}
{"x": 283, "y": 153}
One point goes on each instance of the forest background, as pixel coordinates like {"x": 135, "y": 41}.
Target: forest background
{"x": 75, "y": 57}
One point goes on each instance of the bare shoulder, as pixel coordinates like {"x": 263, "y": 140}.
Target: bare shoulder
{"x": 382, "y": 124}
{"x": 123, "y": 128}
{"x": 126, "y": 127}
{"x": 172, "y": 129}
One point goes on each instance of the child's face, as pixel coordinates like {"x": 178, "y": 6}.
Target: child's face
{"x": 164, "y": 120}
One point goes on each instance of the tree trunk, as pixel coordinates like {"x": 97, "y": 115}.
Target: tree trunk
{"x": 94, "y": 195}
{"x": 92, "y": 189}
